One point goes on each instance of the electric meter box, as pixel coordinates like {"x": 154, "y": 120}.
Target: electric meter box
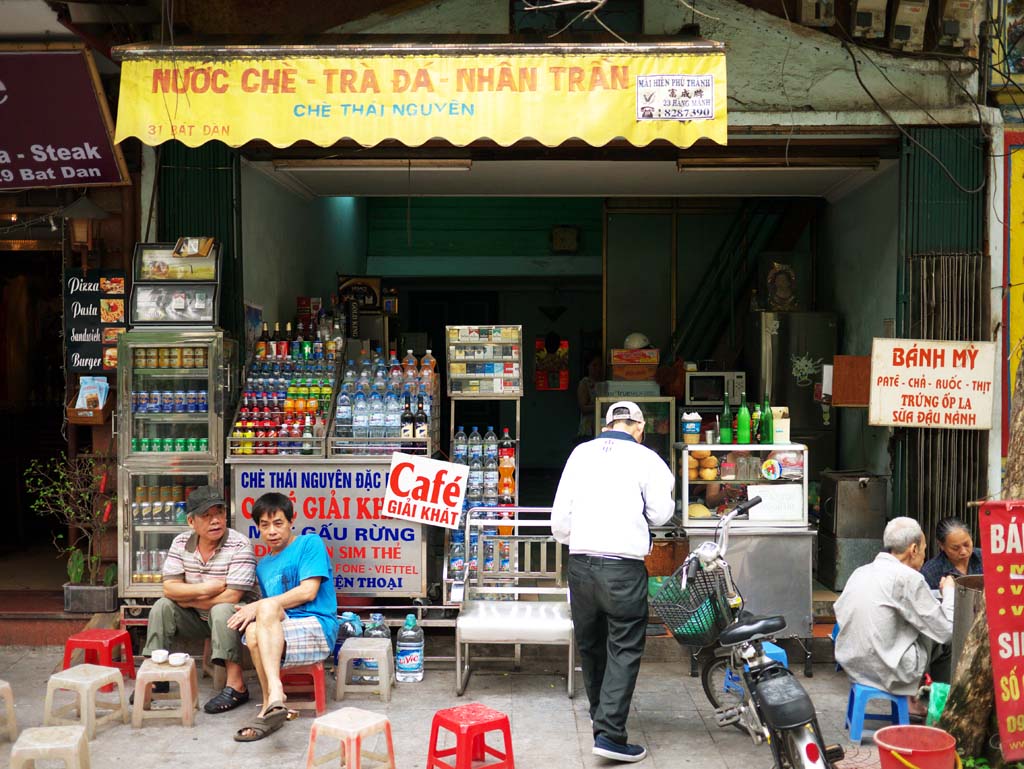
{"x": 907, "y": 33}
{"x": 867, "y": 18}
{"x": 958, "y": 27}
{"x": 816, "y": 13}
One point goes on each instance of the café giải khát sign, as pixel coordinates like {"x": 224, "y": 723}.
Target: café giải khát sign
{"x": 548, "y": 97}
{"x": 425, "y": 490}
{"x": 342, "y": 504}
{"x": 930, "y": 383}
{"x": 55, "y": 126}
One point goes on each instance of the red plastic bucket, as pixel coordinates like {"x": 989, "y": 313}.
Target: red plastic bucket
{"x": 916, "y": 747}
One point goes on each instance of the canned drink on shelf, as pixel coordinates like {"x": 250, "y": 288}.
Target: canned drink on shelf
{"x": 139, "y": 357}
{"x": 141, "y": 492}
{"x": 179, "y": 401}
{"x": 167, "y": 444}
{"x": 165, "y": 493}
{"x": 202, "y": 405}
{"x": 135, "y": 444}
{"x": 307, "y": 349}
{"x": 161, "y": 557}
{"x": 142, "y": 560}
{"x": 167, "y": 402}
{"x": 204, "y": 444}
{"x": 177, "y": 492}
{"x": 145, "y": 513}
{"x": 200, "y": 356}
{"x": 179, "y": 444}
{"x": 153, "y": 403}
{"x": 191, "y": 401}
{"x": 163, "y": 357}
{"x": 152, "y": 358}
{"x": 191, "y": 444}
{"x": 135, "y": 511}
{"x": 180, "y": 514}
{"x": 145, "y": 444}
{"x": 154, "y": 559}
{"x": 174, "y": 356}
{"x": 188, "y": 357}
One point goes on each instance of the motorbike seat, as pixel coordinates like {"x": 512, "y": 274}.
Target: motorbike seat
{"x": 750, "y": 629}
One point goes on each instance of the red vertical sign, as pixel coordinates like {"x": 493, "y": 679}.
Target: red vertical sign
{"x": 1002, "y": 542}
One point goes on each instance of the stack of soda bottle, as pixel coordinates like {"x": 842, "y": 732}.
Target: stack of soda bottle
{"x": 492, "y": 485}
{"x": 384, "y": 404}
{"x": 287, "y": 393}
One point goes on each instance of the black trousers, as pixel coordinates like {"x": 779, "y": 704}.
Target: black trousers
{"x": 608, "y": 598}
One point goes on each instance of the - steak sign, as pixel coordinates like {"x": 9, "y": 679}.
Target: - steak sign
{"x": 425, "y": 490}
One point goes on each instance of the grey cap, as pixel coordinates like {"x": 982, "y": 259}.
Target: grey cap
{"x": 202, "y": 499}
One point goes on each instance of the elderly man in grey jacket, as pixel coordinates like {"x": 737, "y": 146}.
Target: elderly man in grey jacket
{"x": 892, "y": 629}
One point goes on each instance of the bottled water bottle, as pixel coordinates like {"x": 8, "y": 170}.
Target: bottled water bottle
{"x": 376, "y": 629}
{"x": 409, "y": 652}
{"x": 392, "y": 417}
{"x": 395, "y": 374}
{"x": 475, "y": 443}
{"x": 460, "y": 448}
{"x": 376, "y": 417}
{"x": 491, "y": 481}
{"x": 490, "y": 443}
{"x": 457, "y": 555}
{"x": 360, "y": 420}
{"x": 343, "y": 420}
{"x": 475, "y": 482}
{"x": 351, "y": 377}
{"x": 351, "y": 627}
{"x": 380, "y": 383}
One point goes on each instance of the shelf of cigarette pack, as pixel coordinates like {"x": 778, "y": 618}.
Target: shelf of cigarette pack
{"x": 487, "y": 377}
{"x": 173, "y": 416}
{"x": 364, "y": 447}
{"x": 485, "y": 358}
{"x": 173, "y": 373}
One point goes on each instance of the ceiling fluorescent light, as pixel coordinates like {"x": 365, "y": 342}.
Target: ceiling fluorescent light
{"x": 776, "y": 164}
{"x": 367, "y": 164}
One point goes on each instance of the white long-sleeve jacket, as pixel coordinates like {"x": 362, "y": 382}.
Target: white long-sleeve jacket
{"x": 611, "y": 490}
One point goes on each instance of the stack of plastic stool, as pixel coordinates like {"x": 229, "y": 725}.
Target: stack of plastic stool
{"x": 309, "y": 681}
{"x": 350, "y": 726}
{"x": 8, "y": 697}
{"x": 68, "y": 743}
{"x": 377, "y": 649}
{"x": 86, "y": 681}
{"x": 184, "y": 676}
{"x": 470, "y": 724}
{"x": 99, "y": 646}
{"x": 860, "y": 695}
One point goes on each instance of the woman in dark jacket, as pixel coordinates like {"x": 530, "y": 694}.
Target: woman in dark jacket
{"x": 957, "y": 554}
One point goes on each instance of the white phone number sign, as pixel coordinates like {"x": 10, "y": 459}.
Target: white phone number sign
{"x": 928, "y": 383}
{"x": 675, "y": 97}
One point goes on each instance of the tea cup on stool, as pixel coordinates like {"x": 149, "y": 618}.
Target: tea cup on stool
{"x": 178, "y": 659}
{"x": 159, "y": 656}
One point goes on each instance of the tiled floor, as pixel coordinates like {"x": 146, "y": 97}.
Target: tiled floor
{"x": 669, "y": 715}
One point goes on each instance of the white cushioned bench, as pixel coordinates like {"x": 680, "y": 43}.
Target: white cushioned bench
{"x": 528, "y": 604}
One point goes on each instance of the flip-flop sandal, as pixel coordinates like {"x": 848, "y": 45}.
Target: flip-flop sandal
{"x": 227, "y": 699}
{"x": 260, "y": 728}
{"x": 276, "y": 711}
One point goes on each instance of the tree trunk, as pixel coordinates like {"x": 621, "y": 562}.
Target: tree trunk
{"x": 971, "y": 696}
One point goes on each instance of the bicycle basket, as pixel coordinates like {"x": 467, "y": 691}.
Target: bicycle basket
{"x": 698, "y": 615}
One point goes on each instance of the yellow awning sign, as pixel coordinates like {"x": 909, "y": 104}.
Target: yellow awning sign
{"x": 678, "y": 98}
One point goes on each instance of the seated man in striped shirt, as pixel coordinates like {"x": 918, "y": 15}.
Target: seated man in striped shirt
{"x": 208, "y": 571}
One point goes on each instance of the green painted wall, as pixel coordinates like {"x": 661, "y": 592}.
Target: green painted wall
{"x": 857, "y": 278}
{"x": 425, "y": 237}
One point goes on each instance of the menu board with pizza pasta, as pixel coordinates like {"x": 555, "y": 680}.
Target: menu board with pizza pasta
{"x": 94, "y": 317}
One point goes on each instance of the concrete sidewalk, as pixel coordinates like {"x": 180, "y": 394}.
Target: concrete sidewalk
{"x": 670, "y": 716}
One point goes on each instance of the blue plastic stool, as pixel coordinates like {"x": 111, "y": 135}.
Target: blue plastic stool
{"x": 860, "y": 696}
{"x": 733, "y": 685}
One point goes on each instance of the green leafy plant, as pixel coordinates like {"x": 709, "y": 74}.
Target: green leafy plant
{"x": 76, "y": 493}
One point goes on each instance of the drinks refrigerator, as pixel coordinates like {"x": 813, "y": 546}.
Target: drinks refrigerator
{"x": 169, "y": 441}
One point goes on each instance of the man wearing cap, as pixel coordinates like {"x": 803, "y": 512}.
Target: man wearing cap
{"x": 612, "y": 489}
{"x": 208, "y": 571}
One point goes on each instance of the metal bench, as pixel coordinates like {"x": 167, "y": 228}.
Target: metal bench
{"x": 525, "y": 603}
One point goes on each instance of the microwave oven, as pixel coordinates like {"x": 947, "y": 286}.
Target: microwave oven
{"x": 706, "y": 389}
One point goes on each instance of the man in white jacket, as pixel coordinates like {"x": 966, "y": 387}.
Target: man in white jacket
{"x": 611, "y": 490}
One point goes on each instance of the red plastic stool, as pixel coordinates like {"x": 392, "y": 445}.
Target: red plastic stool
{"x": 470, "y": 725}
{"x": 98, "y": 646}
{"x": 306, "y": 680}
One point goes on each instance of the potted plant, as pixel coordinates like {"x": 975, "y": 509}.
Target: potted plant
{"x": 77, "y": 493}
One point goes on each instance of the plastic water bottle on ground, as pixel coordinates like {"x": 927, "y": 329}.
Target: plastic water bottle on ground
{"x": 409, "y": 652}
{"x": 376, "y": 629}
{"x": 351, "y": 627}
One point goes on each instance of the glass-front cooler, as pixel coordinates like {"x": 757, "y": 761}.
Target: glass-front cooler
{"x": 152, "y": 515}
{"x": 172, "y": 395}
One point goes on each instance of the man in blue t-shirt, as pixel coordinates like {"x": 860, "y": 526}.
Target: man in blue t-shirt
{"x": 296, "y": 621}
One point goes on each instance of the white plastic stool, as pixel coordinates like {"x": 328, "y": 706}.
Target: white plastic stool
{"x": 11, "y": 722}
{"x": 86, "y": 681}
{"x": 377, "y": 649}
{"x": 52, "y": 742}
{"x": 350, "y": 726}
{"x": 184, "y": 676}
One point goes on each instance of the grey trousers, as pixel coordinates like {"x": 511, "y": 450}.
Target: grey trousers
{"x": 170, "y": 623}
{"x": 608, "y": 598}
